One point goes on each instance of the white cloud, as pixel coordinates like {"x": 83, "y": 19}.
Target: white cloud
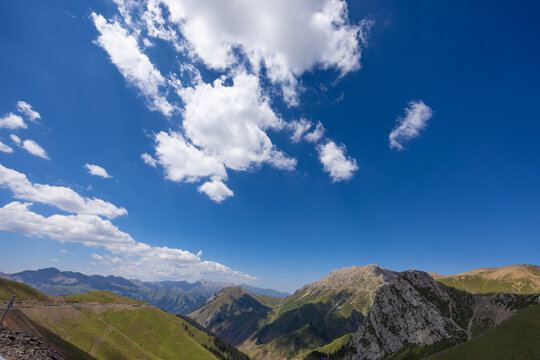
{"x": 149, "y": 160}
{"x": 26, "y": 109}
{"x": 416, "y": 117}
{"x": 216, "y": 190}
{"x": 289, "y": 37}
{"x": 54, "y": 260}
{"x": 299, "y": 129}
{"x": 97, "y": 257}
{"x": 97, "y": 170}
{"x": 15, "y": 139}
{"x": 183, "y": 161}
{"x": 64, "y": 251}
{"x": 5, "y": 148}
{"x": 12, "y": 121}
{"x": 33, "y": 148}
{"x": 317, "y": 133}
{"x": 132, "y": 63}
{"x": 131, "y": 258}
{"x": 230, "y": 122}
{"x": 61, "y": 197}
{"x": 90, "y": 230}
{"x": 339, "y": 166}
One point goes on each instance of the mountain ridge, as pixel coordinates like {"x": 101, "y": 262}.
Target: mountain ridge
{"x": 173, "y": 296}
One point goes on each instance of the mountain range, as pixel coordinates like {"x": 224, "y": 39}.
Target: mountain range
{"x": 179, "y": 297}
{"x": 324, "y": 318}
{"x": 356, "y": 313}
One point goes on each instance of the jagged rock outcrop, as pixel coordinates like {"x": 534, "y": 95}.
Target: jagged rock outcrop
{"x": 21, "y": 345}
{"x": 415, "y": 309}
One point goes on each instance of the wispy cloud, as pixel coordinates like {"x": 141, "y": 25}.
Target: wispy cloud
{"x": 134, "y": 65}
{"x": 5, "y": 148}
{"x": 127, "y": 256}
{"x": 97, "y": 171}
{"x": 35, "y": 149}
{"x": 61, "y": 197}
{"x": 26, "y": 109}
{"x": 416, "y": 117}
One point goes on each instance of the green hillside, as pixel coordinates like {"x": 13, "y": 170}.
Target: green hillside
{"x": 518, "y": 338}
{"x": 103, "y": 325}
{"x": 232, "y": 313}
{"x": 518, "y": 279}
{"x": 104, "y": 297}
{"x": 9, "y": 288}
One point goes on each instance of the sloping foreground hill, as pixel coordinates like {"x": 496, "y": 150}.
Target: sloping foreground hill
{"x": 517, "y": 279}
{"x": 415, "y": 316}
{"x": 312, "y": 317}
{"x": 103, "y": 325}
{"x": 9, "y": 288}
{"x": 518, "y": 338}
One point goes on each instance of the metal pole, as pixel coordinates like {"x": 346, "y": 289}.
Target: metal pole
{"x": 8, "y": 307}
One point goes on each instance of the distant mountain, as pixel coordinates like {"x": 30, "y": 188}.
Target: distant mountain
{"x": 518, "y": 279}
{"x": 415, "y": 316}
{"x": 173, "y": 296}
{"x": 233, "y": 313}
{"x": 103, "y": 325}
{"x": 317, "y": 314}
{"x": 268, "y": 292}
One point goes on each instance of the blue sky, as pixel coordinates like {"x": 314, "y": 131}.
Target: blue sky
{"x": 455, "y": 82}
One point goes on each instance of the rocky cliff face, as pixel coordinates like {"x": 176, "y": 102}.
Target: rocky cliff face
{"x": 417, "y": 310}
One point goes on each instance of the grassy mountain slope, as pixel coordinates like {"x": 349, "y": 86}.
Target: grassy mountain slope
{"x": 103, "y": 297}
{"x": 9, "y": 288}
{"x": 318, "y": 313}
{"x": 232, "y": 313}
{"x": 518, "y": 279}
{"x": 518, "y": 338}
{"x": 312, "y": 317}
{"x": 103, "y": 325}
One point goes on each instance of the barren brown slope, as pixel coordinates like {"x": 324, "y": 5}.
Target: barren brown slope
{"x": 519, "y": 279}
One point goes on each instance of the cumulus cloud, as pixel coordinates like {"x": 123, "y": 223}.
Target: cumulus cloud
{"x": 5, "y": 148}
{"x": 417, "y": 114}
{"x": 339, "y": 166}
{"x": 134, "y": 259}
{"x": 230, "y": 122}
{"x": 183, "y": 161}
{"x": 33, "y": 148}
{"x": 216, "y": 190}
{"x": 60, "y": 197}
{"x": 26, "y": 109}
{"x": 97, "y": 171}
{"x": 124, "y": 52}
{"x": 226, "y": 123}
{"x": 289, "y": 38}
{"x": 12, "y": 121}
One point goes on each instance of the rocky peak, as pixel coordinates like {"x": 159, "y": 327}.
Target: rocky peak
{"x": 414, "y": 309}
